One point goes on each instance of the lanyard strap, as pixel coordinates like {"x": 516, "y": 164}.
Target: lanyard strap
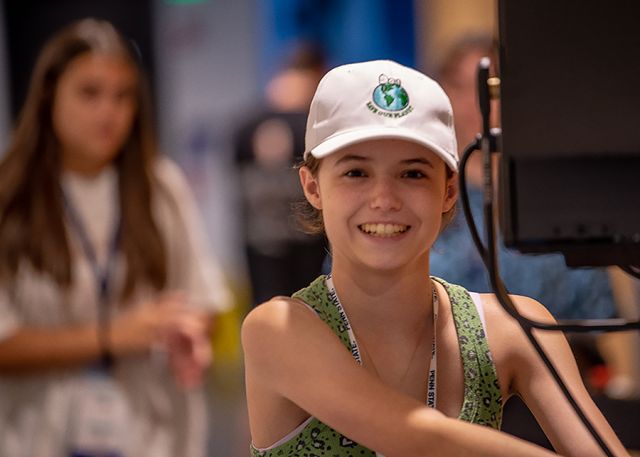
{"x": 102, "y": 276}
{"x": 433, "y": 365}
{"x": 333, "y": 296}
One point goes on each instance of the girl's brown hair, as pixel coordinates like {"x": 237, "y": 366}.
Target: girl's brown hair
{"x": 32, "y": 226}
{"x": 309, "y": 218}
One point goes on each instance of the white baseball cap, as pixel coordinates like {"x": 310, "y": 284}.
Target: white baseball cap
{"x": 380, "y": 99}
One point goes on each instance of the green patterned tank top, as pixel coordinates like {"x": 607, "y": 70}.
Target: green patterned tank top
{"x": 482, "y": 403}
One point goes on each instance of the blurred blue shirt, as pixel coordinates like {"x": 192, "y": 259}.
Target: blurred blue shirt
{"x": 568, "y": 293}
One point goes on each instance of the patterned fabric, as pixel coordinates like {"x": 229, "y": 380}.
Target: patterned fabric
{"x": 482, "y": 403}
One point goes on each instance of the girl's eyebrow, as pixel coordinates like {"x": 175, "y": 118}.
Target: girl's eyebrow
{"x": 418, "y": 160}
{"x": 349, "y": 158}
{"x": 358, "y": 158}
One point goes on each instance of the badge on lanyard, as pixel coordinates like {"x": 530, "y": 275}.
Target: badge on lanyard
{"x": 99, "y": 418}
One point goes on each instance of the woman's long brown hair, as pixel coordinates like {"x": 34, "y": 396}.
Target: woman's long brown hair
{"x": 32, "y": 226}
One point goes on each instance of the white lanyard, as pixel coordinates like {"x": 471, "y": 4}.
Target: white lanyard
{"x": 433, "y": 365}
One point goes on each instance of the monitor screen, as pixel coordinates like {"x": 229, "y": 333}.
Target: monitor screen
{"x": 570, "y": 118}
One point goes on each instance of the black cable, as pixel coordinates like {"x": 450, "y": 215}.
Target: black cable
{"x": 632, "y": 270}
{"x": 464, "y": 196}
{"x": 501, "y": 293}
{"x": 565, "y": 325}
{"x": 491, "y": 257}
{"x": 508, "y": 305}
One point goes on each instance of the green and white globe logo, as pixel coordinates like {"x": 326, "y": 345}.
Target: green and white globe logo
{"x": 389, "y": 95}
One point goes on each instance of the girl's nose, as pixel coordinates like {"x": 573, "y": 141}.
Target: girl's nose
{"x": 385, "y": 196}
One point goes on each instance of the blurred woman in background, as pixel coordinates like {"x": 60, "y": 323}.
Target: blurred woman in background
{"x": 106, "y": 290}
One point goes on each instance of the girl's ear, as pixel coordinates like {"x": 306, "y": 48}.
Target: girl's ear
{"x": 310, "y": 187}
{"x": 451, "y": 195}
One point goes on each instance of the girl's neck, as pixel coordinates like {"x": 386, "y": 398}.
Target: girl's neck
{"x": 73, "y": 177}
{"x": 81, "y": 166}
{"x": 382, "y": 298}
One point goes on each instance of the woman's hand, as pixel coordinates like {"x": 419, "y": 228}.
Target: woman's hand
{"x": 189, "y": 349}
{"x": 170, "y": 327}
{"x": 137, "y": 329}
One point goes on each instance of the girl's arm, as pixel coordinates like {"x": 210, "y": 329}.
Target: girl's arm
{"x": 33, "y": 350}
{"x": 293, "y": 356}
{"x": 532, "y": 381}
{"x": 36, "y": 349}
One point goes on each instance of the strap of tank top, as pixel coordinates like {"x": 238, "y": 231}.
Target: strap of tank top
{"x": 482, "y": 402}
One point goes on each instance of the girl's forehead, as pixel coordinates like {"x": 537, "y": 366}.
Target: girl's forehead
{"x": 101, "y": 58}
{"x": 100, "y": 66}
{"x": 388, "y": 151}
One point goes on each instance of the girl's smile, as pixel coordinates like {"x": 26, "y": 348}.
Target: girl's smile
{"x": 384, "y": 230}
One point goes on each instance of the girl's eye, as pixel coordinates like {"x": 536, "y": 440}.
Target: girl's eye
{"x": 89, "y": 92}
{"x": 125, "y": 95}
{"x": 414, "y": 174}
{"x": 355, "y": 173}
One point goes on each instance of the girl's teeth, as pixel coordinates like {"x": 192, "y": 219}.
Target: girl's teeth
{"x": 383, "y": 229}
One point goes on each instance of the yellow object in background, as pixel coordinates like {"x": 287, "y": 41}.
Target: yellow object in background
{"x": 225, "y": 340}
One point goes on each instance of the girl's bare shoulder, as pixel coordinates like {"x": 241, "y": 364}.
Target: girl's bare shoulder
{"x": 277, "y": 321}
{"x": 279, "y": 313}
{"x": 509, "y": 344}
{"x": 525, "y": 306}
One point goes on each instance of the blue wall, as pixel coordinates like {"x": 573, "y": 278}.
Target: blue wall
{"x": 348, "y": 30}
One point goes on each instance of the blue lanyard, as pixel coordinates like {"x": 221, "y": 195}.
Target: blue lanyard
{"x": 102, "y": 275}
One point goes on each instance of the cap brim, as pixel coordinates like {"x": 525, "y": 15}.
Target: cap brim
{"x": 345, "y": 139}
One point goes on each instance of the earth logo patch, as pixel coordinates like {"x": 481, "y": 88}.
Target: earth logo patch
{"x": 389, "y": 95}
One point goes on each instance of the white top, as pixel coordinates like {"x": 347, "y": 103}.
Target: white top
{"x": 168, "y": 421}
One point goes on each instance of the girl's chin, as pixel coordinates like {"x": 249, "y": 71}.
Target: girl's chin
{"x": 385, "y": 264}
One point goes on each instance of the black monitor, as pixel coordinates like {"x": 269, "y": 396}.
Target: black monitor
{"x": 570, "y": 118}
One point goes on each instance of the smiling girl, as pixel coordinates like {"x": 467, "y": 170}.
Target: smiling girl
{"x": 378, "y": 358}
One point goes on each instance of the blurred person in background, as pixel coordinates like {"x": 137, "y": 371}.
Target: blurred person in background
{"x": 281, "y": 258}
{"x": 568, "y": 293}
{"x": 107, "y": 293}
